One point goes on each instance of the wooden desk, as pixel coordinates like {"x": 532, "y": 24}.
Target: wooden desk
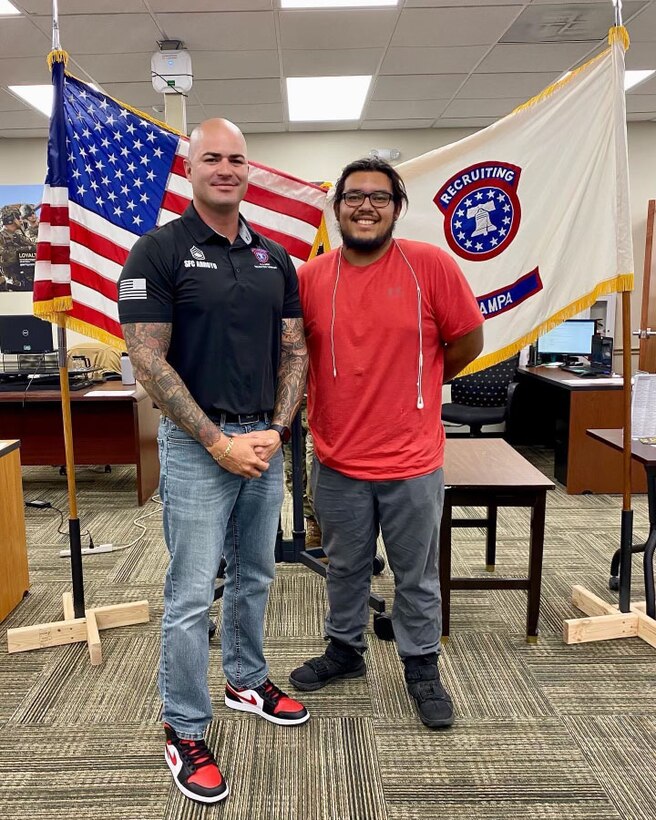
{"x": 487, "y": 472}
{"x": 14, "y": 575}
{"x": 556, "y": 408}
{"x": 644, "y": 454}
{"x": 117, "y": 429}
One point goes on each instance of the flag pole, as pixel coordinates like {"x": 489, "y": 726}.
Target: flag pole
{"x": 79, "y": 624}
{"x": 62, "y": 352}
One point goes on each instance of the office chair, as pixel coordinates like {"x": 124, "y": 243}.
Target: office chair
{"x": 478, "y": 400}
{"x": 482, "y": 398}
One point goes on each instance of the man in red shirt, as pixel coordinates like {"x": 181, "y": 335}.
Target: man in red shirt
{"x": 387, "y": 322}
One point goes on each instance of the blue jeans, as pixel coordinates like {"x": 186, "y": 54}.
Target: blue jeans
{"x": 209, "y": 512}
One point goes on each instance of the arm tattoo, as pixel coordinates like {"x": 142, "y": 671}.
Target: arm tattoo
{"x": 148, "y": 344}
{"x": 292, "y": 371}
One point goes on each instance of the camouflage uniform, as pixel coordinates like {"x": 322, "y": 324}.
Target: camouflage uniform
{"x": 30, "y": 222}
{"x": 12, "y": 243}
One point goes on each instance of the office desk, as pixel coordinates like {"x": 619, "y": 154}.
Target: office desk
{"x": 487, "y": 472}
{"x": 556, "y": 408}
{"x": 644, "y": 454}
{"x": 116, "y": 429}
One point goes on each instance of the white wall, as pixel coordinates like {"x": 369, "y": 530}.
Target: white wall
{"x": 320, "y": 156}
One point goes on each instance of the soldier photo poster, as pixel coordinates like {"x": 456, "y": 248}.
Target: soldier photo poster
{"x": 19, "y": 225}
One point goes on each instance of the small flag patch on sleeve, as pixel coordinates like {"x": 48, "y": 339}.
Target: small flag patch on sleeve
{"x": 132, "y": 289}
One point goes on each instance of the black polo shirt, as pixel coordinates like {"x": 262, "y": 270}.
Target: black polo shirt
{"x": 225, "y": 303}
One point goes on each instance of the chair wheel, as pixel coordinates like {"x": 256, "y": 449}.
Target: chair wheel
{"x": 379, "y": 564}
{"x": 108, "y": 468}
{"x": 383, "y": 626}
{"x": 62, "y": 470}
{"x": 614, "y": 583}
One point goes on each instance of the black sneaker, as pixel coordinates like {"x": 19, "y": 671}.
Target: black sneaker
{"x": 433, "y": 701}
{"x": 267, "y": 701}
{"x": 336, "y": 663}
{"x": 194, "y": 768}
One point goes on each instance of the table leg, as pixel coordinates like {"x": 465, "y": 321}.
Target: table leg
{"x": 650, "y": 597}
{"x": 445, "y": 563}
{"x": 491, "y": 541}
{"x": 535, "y": 566}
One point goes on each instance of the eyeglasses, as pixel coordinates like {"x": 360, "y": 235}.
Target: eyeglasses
{"x": 379, "y": 199}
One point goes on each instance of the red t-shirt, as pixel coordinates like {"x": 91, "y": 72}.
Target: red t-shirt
{"x": 364, "y": 420}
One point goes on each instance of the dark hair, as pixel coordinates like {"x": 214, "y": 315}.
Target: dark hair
{"x": 399, "y": 195}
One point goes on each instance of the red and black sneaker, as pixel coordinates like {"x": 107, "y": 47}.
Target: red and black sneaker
{"x": 267, "y": 701}
{"x": 194, "y": 768}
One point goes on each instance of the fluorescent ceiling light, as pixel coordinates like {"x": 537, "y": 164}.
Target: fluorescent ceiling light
{"x": 38, "y": 96}
{"x": 6, "y": 9}
{"x": 632, "y": 78}
{"x": 327, "y": 4}
{"x": 322, "y": 99}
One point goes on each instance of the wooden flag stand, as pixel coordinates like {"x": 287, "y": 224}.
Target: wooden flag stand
{"x": 78, "y": 624}
{"x": 606, "y": 621}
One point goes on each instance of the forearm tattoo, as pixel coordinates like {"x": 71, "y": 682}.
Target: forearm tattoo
{"x": 292, "y": 371}
{"x": 148, "y": 344}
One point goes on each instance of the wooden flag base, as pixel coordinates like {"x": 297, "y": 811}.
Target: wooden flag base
{"x": 75, "y": 630}
{"x": 606, "y": 621}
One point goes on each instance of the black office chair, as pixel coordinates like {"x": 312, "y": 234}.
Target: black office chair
{"x": 482, "y": 398}
{"x": 478, "y": 400}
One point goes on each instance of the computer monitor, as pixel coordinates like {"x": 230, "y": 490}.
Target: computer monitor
{"x": 25, "y": 334}
{"x": 601, "y": 358}
{"x": 572, "y": 338}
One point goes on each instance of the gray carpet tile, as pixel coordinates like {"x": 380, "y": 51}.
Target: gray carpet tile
{"x": 622, "y": 752}
{"x": 490, "y": 768}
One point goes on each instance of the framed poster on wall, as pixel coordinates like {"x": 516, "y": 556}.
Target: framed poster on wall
{"x": 19, "y": 226}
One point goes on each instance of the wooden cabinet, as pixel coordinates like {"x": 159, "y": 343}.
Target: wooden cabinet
{"x": 14, "y": 576}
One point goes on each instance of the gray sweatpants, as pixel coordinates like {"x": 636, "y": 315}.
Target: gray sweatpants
{"x": 409, "y": 511}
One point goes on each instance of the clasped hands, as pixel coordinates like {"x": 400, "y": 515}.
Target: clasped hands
{"x": 250, "y": 453}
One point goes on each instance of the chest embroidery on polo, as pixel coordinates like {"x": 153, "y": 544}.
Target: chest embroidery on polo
{"x": 199, "y": 260}
{"x": 263, "y": 257}
{"x": 197, "y": 253}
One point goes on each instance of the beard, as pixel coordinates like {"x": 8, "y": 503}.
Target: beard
{"x": 366, "y": 245}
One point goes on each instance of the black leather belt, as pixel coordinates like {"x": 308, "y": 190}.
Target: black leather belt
{"x": 240, "y": 418}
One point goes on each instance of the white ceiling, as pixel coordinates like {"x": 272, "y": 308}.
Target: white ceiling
{"x": 436, "y": 63}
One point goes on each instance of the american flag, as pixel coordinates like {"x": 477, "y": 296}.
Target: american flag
{"x": 115, "y": 173}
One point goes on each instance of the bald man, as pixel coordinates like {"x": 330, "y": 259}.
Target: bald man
{"x": 212, "y": 320}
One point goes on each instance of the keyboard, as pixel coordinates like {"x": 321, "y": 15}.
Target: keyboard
{"x": 37, "y": 385}
{"x": 584, "y": 372}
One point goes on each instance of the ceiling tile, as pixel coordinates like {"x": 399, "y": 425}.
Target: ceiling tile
{"x": 641, "y": 56}
{"x": 108, "y": 68}
{"x": 330, "y": 62}
{"x": 405, "y": 109}
{"x": 379, "y": 125}
{"x": 506, "y": 85}
{"x": 417, "y": 86}
{"x": 482, "y": 108}
{"x": 547, "y": 57}
{"x": 225, "y": 31}
{"x": 219, "y": 92}
{"x": 464, "y": 26}
{"x": 28, "y": 118}
{"x": 439, "y": 3}
{"x": 229, "y": 65}
{"x": 19, "y": 38}
{"x": 261, "y": 127}
{"x": 641, "y": 104}
{"x": 646, "y": 87}
{"x": 139, "y": 95}
{"x": 24, "y": 71}
{"x": 10, "y": 103}
{"x": 641, "y": 117}
{"x": 43, "y": 8}
{"x": 643, "y": 28}
{"x": 464, "y": 122}
{"x": 351, "y": 28}
{"x": 271, "y": 112}
{"x": 105, "y": 33}
{"x": 210, "y": 5}
{"x": 446, "y": 60}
